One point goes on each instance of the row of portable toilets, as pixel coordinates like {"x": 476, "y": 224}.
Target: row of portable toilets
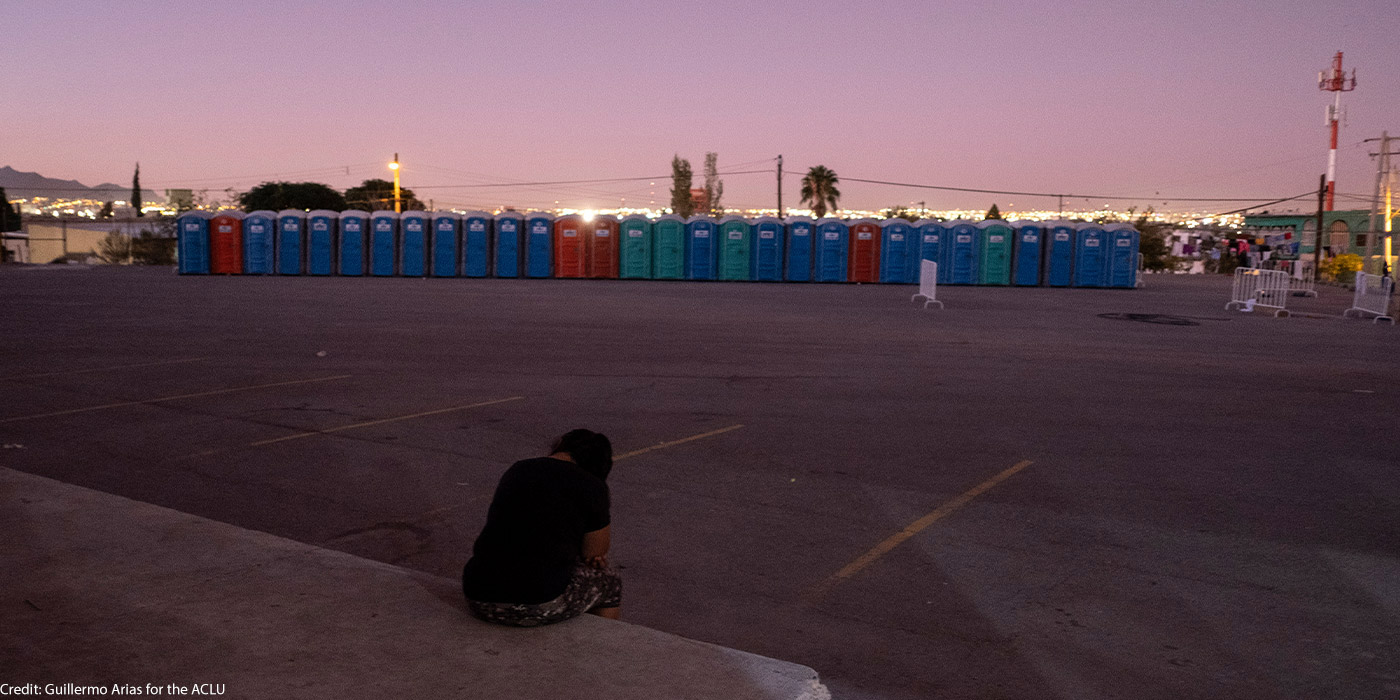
{"x": 798, "y": 249}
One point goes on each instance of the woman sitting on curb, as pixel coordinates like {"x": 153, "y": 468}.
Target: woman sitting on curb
{"x": 542, "y": 555}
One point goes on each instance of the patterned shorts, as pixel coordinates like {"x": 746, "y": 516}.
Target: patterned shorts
{"x": 589, "y": 588}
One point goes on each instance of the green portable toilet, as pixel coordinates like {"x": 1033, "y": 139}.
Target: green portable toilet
{"x": 994, "y": 241}
{"x": 735, "y": 249}
{"x": 668, "y": 248}
{"x": 634, "y": 258}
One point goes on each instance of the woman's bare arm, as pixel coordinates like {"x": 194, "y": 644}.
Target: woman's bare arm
{"x": 596, "y": 545}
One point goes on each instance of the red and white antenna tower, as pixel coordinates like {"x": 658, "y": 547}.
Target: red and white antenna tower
{"x": 1337, "y": 82}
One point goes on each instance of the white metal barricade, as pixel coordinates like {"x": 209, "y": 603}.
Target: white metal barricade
{"x": 1142, "y": 267}
{"x": 1372, "y": 297}
{"x": 1302, "y": 280}
{"x": 1265, "y": 288}
{"x": 928, "y": 283}
{"x": 1302, "y": 287}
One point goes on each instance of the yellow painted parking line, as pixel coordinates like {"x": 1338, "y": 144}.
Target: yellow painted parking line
{"x": 673, "y": 443}
{"x": 914, "y": 528}
{"x": 105, "y": 369}
{"x": 381, "y": 421}
{"x": 163, "y": 399}
{"x": 658, "y": 446}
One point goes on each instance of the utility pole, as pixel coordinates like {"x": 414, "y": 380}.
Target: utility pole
{"x": 1382, "y": 167}
{"x": 1382, "y": 176}
{"x": 780, "y": 186}
{"x": 1317, "y": 242}
{"x": 1335, "y": 81}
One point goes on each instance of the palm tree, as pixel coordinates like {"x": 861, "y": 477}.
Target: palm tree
{"x": 819, "y": 189}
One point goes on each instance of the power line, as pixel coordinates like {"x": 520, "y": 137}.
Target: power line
{"x": 1066, "y": 195}
{"x": 1309, "y": 193}
{"x": 574, "y": 182}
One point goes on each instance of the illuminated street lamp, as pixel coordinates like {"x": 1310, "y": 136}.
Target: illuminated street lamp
{"x": 398, "y": 203}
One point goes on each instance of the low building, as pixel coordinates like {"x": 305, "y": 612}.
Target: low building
{"x": 56, "y": 239}
{"x": 1344, "y": 231}
{"x": 15, "y": 247}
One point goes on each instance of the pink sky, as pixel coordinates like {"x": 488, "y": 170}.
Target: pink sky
{"x": 1168, "y": 99}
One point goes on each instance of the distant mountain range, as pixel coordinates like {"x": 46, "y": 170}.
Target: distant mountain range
{"x": 22, "y": 185}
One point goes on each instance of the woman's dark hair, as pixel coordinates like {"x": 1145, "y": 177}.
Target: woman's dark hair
{"x": 591, "y": 451}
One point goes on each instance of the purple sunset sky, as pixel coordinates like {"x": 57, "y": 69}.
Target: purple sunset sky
{"x": 1175, "y": 98}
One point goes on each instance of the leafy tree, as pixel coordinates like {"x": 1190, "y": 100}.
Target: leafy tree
{"x": 681, "y": 175}
{"x": 819, "y": 189}
{"x": 106, "y": 211}
{"x": 136, "y": 190}
{"x": 993, "y": 213}
{"x": 714, "y": 187}
{"x": 376, "y": 194}
{"x": 1152, "y": 244}
{"x": 9, "y": 218}
{"x": 277, "y": 196}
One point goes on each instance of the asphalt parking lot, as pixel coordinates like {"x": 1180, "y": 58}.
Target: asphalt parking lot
{"x": 1032, "y": 493}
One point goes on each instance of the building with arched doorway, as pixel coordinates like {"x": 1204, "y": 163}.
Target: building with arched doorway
{"x": 1343, "y": 231}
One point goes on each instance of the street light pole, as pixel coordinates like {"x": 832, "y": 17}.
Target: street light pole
{"x": 398, "y": 202}
{"x": 1389, "y": 266}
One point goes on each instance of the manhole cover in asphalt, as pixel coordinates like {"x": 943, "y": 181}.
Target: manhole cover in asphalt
{"x": 1160, "y": 319}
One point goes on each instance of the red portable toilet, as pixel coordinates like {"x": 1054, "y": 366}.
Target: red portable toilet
{"x": 569, "y": 250}
{"x": 602, "y": 247}
{"x": 226, "y": 243}
{"x": 863, "y": 265}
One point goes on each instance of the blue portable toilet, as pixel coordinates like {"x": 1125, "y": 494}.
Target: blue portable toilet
{"x": 508, "y": 227}
{"x": 933, "y": 245}
{"x": 354, "y": 225}
{"x": 833, "y": 245}
{"x": 445, "y": 243}
{"x": 413, "y": 244}
{"x": 1090, "y": 256}
{"x": 192, "y": 242}
{"x": 383, "y": 243}
{"x": 291, "y": 241}
{"x": 1030, "y": 243}
{"x": 962, "y": 256}
{"x": 897, "y": 248}
{"x": 476, "y": 244}
{"x": 1059, "y": 252}
{"x": 767, "y": 249}
{"x": 700, "y": 250}
{"x": 801, "y": 230}
{"x": 539, "y": 244}
{"x": 320, "y": 241}
{"x": 1122, "y": 256}
{"x": 258, "y": 243}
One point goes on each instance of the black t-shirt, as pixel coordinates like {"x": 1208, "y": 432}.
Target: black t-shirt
{"x": 533, "y": 536}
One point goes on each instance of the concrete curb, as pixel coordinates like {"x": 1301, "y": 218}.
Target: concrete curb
{"x": 102, "y": 590}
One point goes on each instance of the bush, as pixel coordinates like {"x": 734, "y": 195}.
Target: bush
{"x": 1341, "y": 269}
{"x": 114, "y": 248}
{"x": 150, "y": 250}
